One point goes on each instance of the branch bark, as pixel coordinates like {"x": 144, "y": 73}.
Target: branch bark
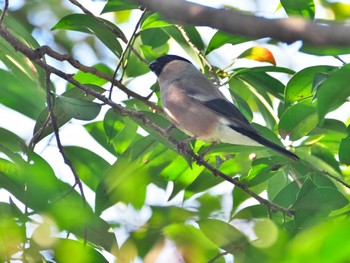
{"x": 286, "y": 30}
{"x": 34, "y": 56}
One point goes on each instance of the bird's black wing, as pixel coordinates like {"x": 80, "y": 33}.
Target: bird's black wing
{"x": 240, "y": 124}
{"x": 231, "y": 112}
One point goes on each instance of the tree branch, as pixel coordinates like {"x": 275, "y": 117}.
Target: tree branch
{"x": 287, "y": 30}
{"x": 4, "y": 10}
{"x": 33, "y": 55}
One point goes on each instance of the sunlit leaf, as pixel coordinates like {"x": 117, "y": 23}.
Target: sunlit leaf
{"x": 67, "y": 249}
{"x": 325, "y": 242}
{"x": 118, "y": 5}
{"x": 304, "y": 8}
{"x": 21, "y": 95}
{"x": 154, "y": 21}
{"x": 260, "y": 54}
{"x": 221, "y": 38}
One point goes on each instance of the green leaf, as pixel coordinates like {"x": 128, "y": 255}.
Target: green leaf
{"x": 275, "y": 185}
{"x": 308, "y": 208}
{"x": 344, "y": 149}
{"x": 193, "y": 244}
{"x": 298, "y": 120}
{"x": 79, "y": 109}
{"x": 221, "y": 38}
{"x": 112, "y": 124}
{"x": 334, "y": 91}
{"x": 222, "y": 234}
{"x": 22, "y": 95}
{"x": 96, "y": 130}
{"x": 252, "y": 212}
{"x": 175, "y": 34}
{"x": 304, "y": 8}
{"x": 43, "y": 125}
{"x": 88, "y": 24}
{"x": 154, "y": 37}
{"x": 131, "y": 171}
{"x": 135, "y": 67}
{"x": 326, "y": 242}
{"x": 11, "y": 141}
{"x": 92, "y": 79}
{"x": 263, "y": 82}
{"x": 326, "y": 156}
{"x": 324, "y": 50}
{"x": 26, "y": 179}
{"x": 66, "y": 249}
{"x": 118, "y": 5}
{"x": 263, "y": 169}
{"x": 90, "y": 166}
{"x": 300, "y": 86}
{"x": 194, "y": 36}
{"x": 287, "y": 196}
{"x": 154, "y": 21}
{"x": 266, "y": 232}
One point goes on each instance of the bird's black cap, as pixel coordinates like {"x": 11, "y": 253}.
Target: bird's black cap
{"x": 158, "y": 65}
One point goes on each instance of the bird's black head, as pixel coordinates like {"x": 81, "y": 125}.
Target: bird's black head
{"x": 158, "y": 65}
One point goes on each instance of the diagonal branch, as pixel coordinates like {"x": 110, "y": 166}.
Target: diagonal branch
{"x": 32, "y": 54}
{"x": 287, "y": 30}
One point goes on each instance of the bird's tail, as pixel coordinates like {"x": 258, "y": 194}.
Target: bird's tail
{"x": 261, "y": 140}
{"x": 277, "y": 148}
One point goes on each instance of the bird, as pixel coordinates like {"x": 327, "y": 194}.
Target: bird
{"x": 198, "y": 108}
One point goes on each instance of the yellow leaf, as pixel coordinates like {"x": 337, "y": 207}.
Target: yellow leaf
{"x": 259, "y": 54}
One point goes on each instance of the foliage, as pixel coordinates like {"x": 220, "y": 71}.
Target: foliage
{"x": 47, "y": 218}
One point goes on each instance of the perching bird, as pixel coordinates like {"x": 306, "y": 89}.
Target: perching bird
{"x": 198, "y": 108}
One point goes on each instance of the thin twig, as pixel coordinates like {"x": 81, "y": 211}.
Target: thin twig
{"x": 67, "y": 161}
{"x": 6, "y": 6}
{"x": 99, "y": 20}
{"x": 124, "y": 52}
{"x": 30, "y": 53}
{"x": 115, "y": 32}
{"x": 46, "y": 50}
{"x": 200, "y": 54}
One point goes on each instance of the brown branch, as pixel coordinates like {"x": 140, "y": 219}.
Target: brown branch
{"x": 287, "y": 30}
{"x": 33, "y": 55}
{"x": 46, "y": 50}
{"x": 3, "y": 13}
{"x": 86, "y": 11}
{"x": 67, "y": 161}
{"x": 128, "y": 45}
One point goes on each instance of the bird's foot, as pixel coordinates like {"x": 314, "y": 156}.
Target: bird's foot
{"x": 209, "y": 148}
{"x": 182, "y": 146}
